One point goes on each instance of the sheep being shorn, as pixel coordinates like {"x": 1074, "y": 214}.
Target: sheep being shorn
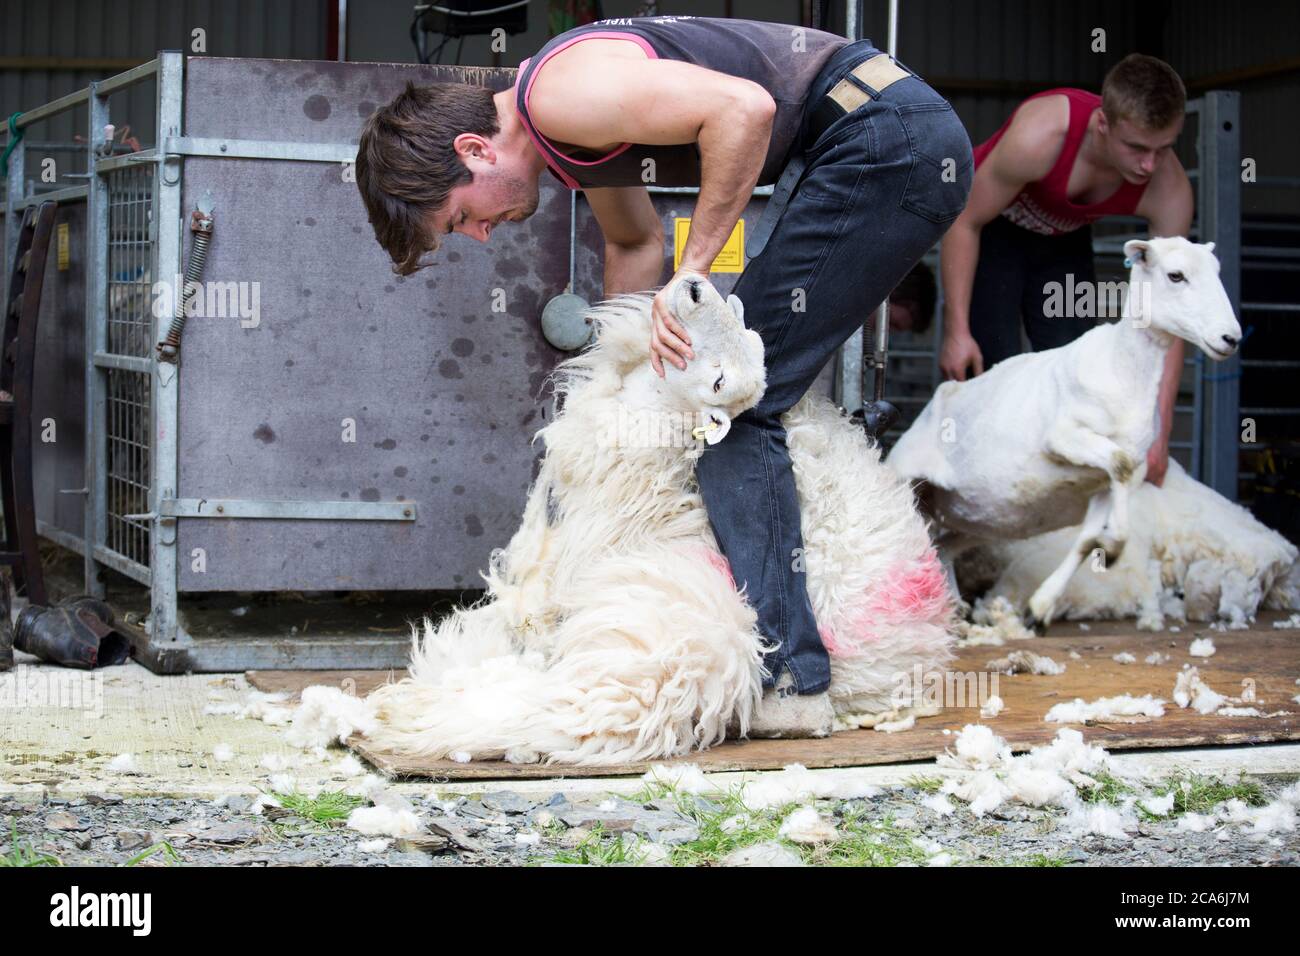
{"x": 1051, "y": 439}
{"x": 1192, "y": 555}
{"x": 611, "y": 629}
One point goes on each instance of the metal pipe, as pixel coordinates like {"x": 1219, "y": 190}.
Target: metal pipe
{"x": 881, "y": 356}
{"x": 129, "y": 78}
{"x": 95, "y": 523}
{"x": 53, "y": 108}
{"x": 164, "y": 462}
{"x": 343, "y": 31}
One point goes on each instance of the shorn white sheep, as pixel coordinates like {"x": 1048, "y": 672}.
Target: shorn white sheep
{"x": 611, "y": 629}
{"x": 1051, "y": 439}
{"x": 1191, "y": 555}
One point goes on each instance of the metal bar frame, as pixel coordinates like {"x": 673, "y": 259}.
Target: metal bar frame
{"x": 15, "y": 188}
{"x": 62, "y": 196}
{"x": 96, "y": 381}
{"x": 164, "y": 396}
{"x": 1219, "y": 207}
{"x": 259, "y": 149}
{"x": 850, "y": 384}
{"x": 287, "y": 509}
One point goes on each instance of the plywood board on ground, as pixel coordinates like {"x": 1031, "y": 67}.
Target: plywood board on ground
{"x": 1267, "y": 658}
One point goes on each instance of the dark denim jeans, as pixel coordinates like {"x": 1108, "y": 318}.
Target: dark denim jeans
{"x": 1014, "y": 270}
{"x": 872, "y": 201}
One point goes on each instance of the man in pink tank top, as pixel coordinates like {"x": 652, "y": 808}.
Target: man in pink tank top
{"x": 1064, "y": 159}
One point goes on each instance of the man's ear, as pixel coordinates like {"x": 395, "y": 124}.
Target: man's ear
{"x": 472, "y": 145}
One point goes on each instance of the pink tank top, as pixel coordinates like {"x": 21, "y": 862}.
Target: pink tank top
{"x": 1044, "y": 207}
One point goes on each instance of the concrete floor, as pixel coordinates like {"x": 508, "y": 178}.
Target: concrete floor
{"x": 61, "y": 729}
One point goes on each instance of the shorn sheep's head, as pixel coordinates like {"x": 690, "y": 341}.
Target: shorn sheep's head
{"x": 1174, "y": 286}
{"x": 726, "y": 377}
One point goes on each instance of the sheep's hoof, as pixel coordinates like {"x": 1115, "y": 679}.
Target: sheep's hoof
{"x": 1112, "y": 547}
{"x": 1034, "y": 623}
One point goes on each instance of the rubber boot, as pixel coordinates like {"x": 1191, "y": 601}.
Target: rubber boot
{"x": 77, "y": 632}
{"x": 784, "y": 713}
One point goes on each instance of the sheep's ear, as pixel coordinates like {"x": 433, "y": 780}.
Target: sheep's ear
{"x": 1209, "y": 247}
{"x": 737, "y": 307}
{"x": 715, "y": 435}
{"x": 1138, "y": 252}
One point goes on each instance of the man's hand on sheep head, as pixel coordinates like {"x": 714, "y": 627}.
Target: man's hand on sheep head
{"x": 668, "y": 338}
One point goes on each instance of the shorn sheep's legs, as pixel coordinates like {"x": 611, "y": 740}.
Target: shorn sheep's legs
{"x": 1042, "y": 606}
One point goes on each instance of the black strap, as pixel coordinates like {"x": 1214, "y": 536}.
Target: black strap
{"x": 781, "y": 193}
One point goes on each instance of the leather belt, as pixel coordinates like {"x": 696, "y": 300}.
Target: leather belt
{"x": 873, "y": 76}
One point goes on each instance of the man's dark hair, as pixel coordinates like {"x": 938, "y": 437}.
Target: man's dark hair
{"x": 918, "y": 294}
{"x": 407, "y": 166}
{"x": 1144, "y": 90}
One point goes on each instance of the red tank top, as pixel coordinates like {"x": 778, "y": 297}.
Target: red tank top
{"x": 1044, "y": 207}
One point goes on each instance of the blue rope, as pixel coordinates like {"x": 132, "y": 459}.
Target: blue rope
{"x": 15, "y": 134}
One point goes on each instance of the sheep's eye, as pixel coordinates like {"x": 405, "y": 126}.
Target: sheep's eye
{"x": 717, "y": 386}
{"x": 1177, "y": 277}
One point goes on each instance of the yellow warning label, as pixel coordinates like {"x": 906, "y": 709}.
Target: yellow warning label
{"x": 61, "y": 239}
{"x": 730, "y": 259}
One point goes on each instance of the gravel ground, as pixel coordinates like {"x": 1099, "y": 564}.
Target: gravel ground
{"x": 896, "y": 827}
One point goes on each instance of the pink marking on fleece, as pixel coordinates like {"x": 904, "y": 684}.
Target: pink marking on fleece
{"x": 719, "y": 561}
{"x": 914, "y": 592}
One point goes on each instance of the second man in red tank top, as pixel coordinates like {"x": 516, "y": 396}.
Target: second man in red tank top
{"x": 1064, "y": 159}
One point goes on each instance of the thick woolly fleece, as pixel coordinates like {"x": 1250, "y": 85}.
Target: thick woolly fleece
{"x": 1191, "y": 555}
{"x": 611, "y": 630}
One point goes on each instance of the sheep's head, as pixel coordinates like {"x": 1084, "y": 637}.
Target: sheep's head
{"x": 1174, "y": 287}
{"x": 725, "y": 377}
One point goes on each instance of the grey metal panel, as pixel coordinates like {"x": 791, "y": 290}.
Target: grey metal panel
{"x": 308, "y": 101}
{"x": 445, "y": 392}
{"x": 60, "y": 382}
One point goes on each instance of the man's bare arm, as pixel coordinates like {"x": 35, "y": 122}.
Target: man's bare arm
{"x": 663, "y": 102}
{"x": 634, "y": 238}
{"x": 1168, "y": 206}
{"x": 1025, "y": 153}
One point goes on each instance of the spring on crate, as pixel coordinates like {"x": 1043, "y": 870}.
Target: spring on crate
{"x": 169, "y": 348}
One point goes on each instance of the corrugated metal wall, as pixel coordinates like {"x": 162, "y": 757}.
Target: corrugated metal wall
{"x": 1252, "y": 47}
{"x": 49, "y": 48}
{"x": 987, "y": 54}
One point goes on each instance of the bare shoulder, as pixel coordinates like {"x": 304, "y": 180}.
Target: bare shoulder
{"x": 1032, "y": 143}
{"x": 576, "y": 95}
{"x": 1168, "y": 203}
{"x": 579, "y": 61}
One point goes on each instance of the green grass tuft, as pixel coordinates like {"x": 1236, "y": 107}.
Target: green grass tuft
{"x": 1196, "y": 793}
{"x": 165, "y": 849}
{"x": 926, "y": 784}
{"x": 1109, "y": 789}
{"x": 326, "y": 808}
{"x": 21, "y": 853}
